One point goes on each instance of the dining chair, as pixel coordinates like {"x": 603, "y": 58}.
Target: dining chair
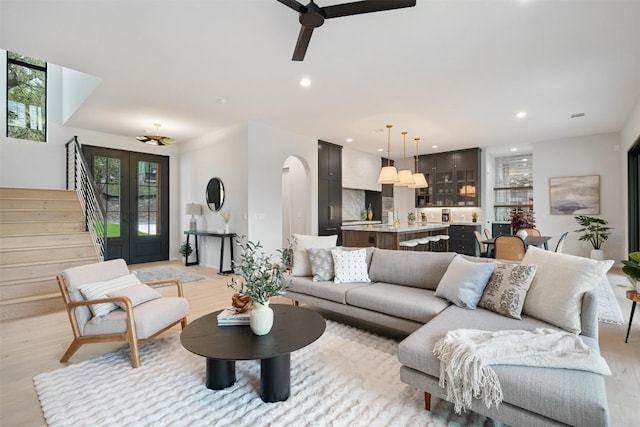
{"x": 560, "y": 244}
{"x": 488, "y": 234}
{"x": 533, "y": 232}
{"x": 509, "y": 247}
{"x": 481, "y": 246}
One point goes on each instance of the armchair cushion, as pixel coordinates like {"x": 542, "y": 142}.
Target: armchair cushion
{"x": 138, "y": 294}
{"x": 97, "y": 290}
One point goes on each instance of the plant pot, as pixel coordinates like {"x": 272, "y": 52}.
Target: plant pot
{"x": 261, "y": 319}
{"x": 522, "y": 233}
{"x": 474, "y": 219}
{"x": 410, "y": 222}
{"x": 226, "y": 228}
{"x": 597, "y": 254}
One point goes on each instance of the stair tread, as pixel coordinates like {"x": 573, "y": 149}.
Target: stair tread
{"x": 56, "y": 261}
{"x": 20, "y": 300}
{"x": 32, "y": 248}
{"x": 28, "y": 281}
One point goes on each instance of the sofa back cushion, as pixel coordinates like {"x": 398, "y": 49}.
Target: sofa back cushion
{"x": 410, "y": 268}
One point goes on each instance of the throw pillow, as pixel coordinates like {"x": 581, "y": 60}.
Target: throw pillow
{"x": 507, "y": 289}
{"x": 99, "y": 290}
{"x": 321, "y": 264}
{"x": 300, "y": 244}
{"x": 350, "y": 266}
{"x": 138, "y": 294}
{"x": 463, "y": 282}
{"x": 561, "y": 281}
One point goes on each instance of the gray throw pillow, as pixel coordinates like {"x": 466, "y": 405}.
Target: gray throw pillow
{"x": 321, "y": 264}
{"x": 507, "y": 289}
{"x": 464, "y": 281}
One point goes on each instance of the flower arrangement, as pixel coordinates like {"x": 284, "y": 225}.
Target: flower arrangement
{"x": 595, "y": 230}
{"x": 522, "y": 219}
{"x": 261, "y": 277}
{"x": 411, "y": 216}
{"x": 226, "y": 216}
{"x": 474, "y": 216}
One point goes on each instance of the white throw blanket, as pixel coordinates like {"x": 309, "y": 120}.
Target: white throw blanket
{"x": 465, "y": 356}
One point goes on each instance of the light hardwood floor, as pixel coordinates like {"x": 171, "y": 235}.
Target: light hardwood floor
{"x": 33, "y": 345}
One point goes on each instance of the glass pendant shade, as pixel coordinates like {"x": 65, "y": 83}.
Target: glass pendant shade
{"x": 388, "y": 175}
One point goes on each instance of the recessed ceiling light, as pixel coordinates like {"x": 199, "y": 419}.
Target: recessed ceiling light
{"x": 514, "y": 149}
{"x": 525, "y": 160}
{"x": 305, "y": 82}
{"x": 521, "y": 114}
{"x": 434, "y": 146}
{"x": 349, "y": 139}
{"x": 576, "y": 115}
{"x": 380, "y": 149}
{"x": 221, "y": 100}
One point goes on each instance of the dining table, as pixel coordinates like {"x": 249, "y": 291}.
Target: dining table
{"x": 528, "y": 241}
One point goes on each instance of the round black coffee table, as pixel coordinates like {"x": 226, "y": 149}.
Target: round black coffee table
{"x": 293, "y": 328}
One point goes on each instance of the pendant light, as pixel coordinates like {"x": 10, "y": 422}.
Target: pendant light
{"x": 388, "y": 174}
{"x": 405, "y": 176}
{"x": 420, "y": 181}
{"x": 156, "y": 139}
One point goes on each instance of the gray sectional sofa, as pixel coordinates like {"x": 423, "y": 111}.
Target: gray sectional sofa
{"x": 401, "y": 295}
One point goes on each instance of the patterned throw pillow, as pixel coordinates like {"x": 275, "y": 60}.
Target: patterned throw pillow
{"x": 300, "y": 244}
{"x": 99, "y": 290}
{"x": 350, "y": 266}
{"x": 507, "y": 289}
{"x": 321, "y": 264}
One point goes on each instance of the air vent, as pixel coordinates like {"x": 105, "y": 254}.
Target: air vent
{"x": 576, "y": 115}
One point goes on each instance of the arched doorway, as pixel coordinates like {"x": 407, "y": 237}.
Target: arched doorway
{"x": 296, "y": 199}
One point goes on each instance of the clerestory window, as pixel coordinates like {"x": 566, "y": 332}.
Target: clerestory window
{"x": 26, "y": 97}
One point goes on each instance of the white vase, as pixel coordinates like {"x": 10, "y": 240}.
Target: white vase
{"x": 522, "y": 233}
{"x": 597, "y": 254}
{"x": 226, "y": 228}
{"x": 261, "y": 318}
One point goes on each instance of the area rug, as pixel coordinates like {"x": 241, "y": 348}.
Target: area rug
{"x": 161, "y": 273}
{"x": 608, "y": 307}
{"x": 348, "y": 377}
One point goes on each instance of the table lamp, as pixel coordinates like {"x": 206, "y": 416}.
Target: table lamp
{"x": 193, "y": 209}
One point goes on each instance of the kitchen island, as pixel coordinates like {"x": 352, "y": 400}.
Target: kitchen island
{"x": 385, "y": 236}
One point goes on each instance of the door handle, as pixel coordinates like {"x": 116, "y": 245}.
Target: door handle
{"x": 330, "y": 213}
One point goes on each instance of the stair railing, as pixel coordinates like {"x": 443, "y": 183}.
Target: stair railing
{"x": 79, "y": 178}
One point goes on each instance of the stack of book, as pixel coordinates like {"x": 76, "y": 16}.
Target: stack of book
{"x": 230, "y": 316}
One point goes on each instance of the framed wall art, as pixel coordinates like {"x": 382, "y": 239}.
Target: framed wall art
{"x": 575, "y": 195}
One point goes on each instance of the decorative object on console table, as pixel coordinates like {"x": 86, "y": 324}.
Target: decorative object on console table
{"x": 595, "y": 231}
{"x": 193, "y": 209}
{"x": 262, "y": 277}
{"x": 226, "y": 217}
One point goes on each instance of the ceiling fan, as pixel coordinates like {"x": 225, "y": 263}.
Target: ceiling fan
{"x": 156, "y": 139}
{"x": 312, "y": 16}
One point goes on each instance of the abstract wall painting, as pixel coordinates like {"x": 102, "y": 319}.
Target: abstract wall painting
{"x": 575, "y": 195}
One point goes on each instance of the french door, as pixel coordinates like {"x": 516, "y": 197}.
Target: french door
{"x": 134, "y": 190}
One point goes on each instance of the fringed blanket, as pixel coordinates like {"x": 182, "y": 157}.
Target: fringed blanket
{"x": 465, "y": 356}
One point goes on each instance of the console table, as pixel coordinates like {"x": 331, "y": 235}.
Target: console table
{"x": 222, "y": 236}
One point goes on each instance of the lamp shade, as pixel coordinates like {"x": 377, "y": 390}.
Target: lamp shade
{"x": 405, "y": 178}
{"x": 193, "y": 209}
{"x": 419, "y": 181}
{"x": 388, "y": 175}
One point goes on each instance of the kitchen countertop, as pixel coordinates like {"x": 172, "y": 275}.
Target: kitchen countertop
{"x": 403, "y": 228}
{"x": 359, "y": 222}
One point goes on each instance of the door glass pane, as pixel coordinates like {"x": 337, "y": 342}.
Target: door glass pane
{"x": 106, "y": 174}
{"x": 148, "y": 199}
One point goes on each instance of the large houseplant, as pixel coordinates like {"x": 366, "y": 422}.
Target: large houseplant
{"x": 261, "y": 277}
{"x": 595, "y": 231}
{"x": 631, "y": 268}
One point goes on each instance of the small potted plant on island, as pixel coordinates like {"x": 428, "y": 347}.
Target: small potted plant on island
{"x": 521, "y": 220}
{"x": 595, "y": 231}
{"x": 411, "y": 218}
{"x": 631, "y": 268}
{"x": 261, "y": 277}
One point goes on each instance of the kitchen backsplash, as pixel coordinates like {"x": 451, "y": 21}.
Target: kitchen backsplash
{"x": 352, "y": 204}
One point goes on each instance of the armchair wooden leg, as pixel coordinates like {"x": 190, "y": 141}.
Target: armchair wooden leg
{"x": 135, "y": 354}
{"x": 427, "y": 401}
{"x": 183, "y": 322}
{"x": 73, "y": 347}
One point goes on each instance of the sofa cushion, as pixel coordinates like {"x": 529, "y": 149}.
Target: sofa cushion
{"x": 325, "y": 290}
{"x": 561, "y": 281}
{"x": 409, "y": 268}
{"x": 464, "y": 281}
{"x": 507, "y": 289}
{"x": 321, "y": 262}
{"x": 300, "y": 244}
{"x": 350, "y": 266}
{"x": 137, "y": 294}
{"x": 405, "y": 302}
{"x": 98, "y": 290}
{"x": 535, "y": 389}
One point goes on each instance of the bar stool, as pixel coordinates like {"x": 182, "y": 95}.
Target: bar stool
{"x": 424, "y": 241}
{"x": 432, "y": 241}
{"x": 446, "y": 238}
{"x": 408, "y": 245}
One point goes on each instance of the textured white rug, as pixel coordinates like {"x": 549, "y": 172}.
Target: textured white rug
{"x": 347, "y": 378}
{"x": 608, "y": 307}
{"x": 160, "y": 273}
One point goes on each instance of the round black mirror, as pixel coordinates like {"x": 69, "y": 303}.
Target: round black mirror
{"x": 215, "y": 194}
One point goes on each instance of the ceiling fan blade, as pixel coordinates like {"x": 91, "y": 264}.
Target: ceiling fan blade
{"x": 293, "y": 4}
{"x": 365, "y": 6}
{"x": 303, "y": 42}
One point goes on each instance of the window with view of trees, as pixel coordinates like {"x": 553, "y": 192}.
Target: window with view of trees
{"x": 26, "y": 97}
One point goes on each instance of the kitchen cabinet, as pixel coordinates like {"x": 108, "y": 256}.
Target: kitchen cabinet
{"x": 329, "y": 189}
{"x": 453, "y": 178}
{"x": 463, "y": 240}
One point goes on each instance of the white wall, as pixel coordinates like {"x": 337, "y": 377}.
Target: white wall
{"x": 296, "y": 202}
{"x": 587, "y": 155}
{"x": 268, "y": 149}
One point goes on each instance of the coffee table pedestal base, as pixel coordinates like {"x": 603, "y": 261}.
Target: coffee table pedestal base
{"x": 275, "y": 378}
{"x": 220, "y": 374}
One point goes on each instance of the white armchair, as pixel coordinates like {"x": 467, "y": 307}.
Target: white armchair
{"x": 127, "y": 311}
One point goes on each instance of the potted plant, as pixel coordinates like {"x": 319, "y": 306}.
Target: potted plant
{"x": 260, "y": 278}
{"x": 522, "y": 219}
{"x": 631, "y": 268}
{"x": 185, "y": 250}
{"x": 411, "y": 218}
{"x": 474, "y": 216}
{"x": 595, "y": 231}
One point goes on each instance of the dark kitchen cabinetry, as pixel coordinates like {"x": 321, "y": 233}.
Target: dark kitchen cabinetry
{"x": 453, "y": 179}
{"x": 462, "y": 239}
{"x": 329, "y": 189}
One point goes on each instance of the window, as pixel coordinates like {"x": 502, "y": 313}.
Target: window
{"x": 26, "y": 97}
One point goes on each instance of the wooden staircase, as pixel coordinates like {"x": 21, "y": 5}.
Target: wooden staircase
{"x": 42, "y": 232}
